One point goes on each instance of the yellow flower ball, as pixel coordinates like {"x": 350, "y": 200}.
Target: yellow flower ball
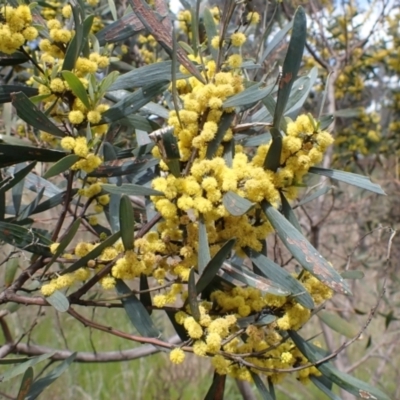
{"x": 177, "y": 356}
{"x": 94, "y": 117}
{"x": 48, "y": 289}
{"x": 30, "y": 33}
{"x": 66, "y": 11}
{"x": 76, "y": 117}
{"x": 57, "y": 85}
{"x": 68, "y": 143}
{"x": 238, "y": 39}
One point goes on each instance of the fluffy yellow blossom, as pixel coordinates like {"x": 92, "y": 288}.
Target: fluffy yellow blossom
{"x": 177, "y": 356}
{"x": 54, "y": 247}
{"x": 235, "y": 60}
{"x": 30, "y": 33}
{"x": 68, "y": 143}
{"x": 238, "y": 39}
{"x": 67, "y": 11}
{"x": 83, "y": 248}
{"x": 76, "y": 117}
{"x": 215, "y": 42}
{"x": 93, "y": 220}
{"x": 108, "y": 254}
{"x": 48, "y": 289}
{"x": 193, "y": 328}
{"x": 84, "y": 66}
{"x": 159, "y": 300}
{"x": 200, "y": 348}
{"x": 57, "y": 85}
{"x": 94, "y": 117}
{"x": 253, "y": 17}
{"x": 108, "y": 282}
{"x": 104, "y": 199}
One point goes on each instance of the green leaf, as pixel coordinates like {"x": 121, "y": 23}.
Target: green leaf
{"x": 149, "y": 74}
{"x": 131, "y": 189}
{"x": 249, "y": 96}
{"x": 273, "y": 158}
{"x": 128, "y": 168}
{"x": 12, "y": 59}
{"x": 10, "y": 271}
{"x": 235, "y": 204}
{"x": 325, "y": 121}
{"x": 18, "y": 176}
{"x": 59, "y": 301}
{"x": 314, "y": 195}
{"x": 352, "y": 274}
{"x": 54, "y": 201}
{"x": 352, "y": 385}
{"x": 6, "y": 90}
{"x": 112, "y": 213}
{"x": 257, "y": 140}
{"x": 12, "y": 154}
{"x": 61, "y": 166}
{"x": 21, "y": 368}
{"x": 74, "y": 46}
{"x": 338, "y": 324}
{"x": 192, "y": 296}
{"x": 262, "y": 389}
{"x": 244, "y": 275}
{"x": 145, "y": 298}
{"x": 17, "y": 190}
{"x": 126, "y": 222}
{"x": 120, "y": 30}
{"x": 288, "y": 213}
{"x": 277, "y": 274}
{"x": 26, "y": 384}
{"x": 348, "y": 177}
{"x": 106, "y": 83}
{"x": 27, "y": 111}
{"x": 41, "y": 384}
{"x": 136, "y": 312}
{"x": 276, "y": 40}
{"x": 292, "y": 62}
{"x": 214, "y": 265}
{"x": 92, "y": 254}
{"x": 25, "y": 239}
{"x": 132, "y": 103}
{"x": 76, "y": 87}
{"x": 113, "y": 9}
{"x": 194, "y": 28}
{"x": 300, "y": 92}
{"x": 211, "y": 31}
{"x": 319, "y": 384}
{"x": 29, "y": 208}
{"x": 223, "y": 125}
{"x": 303, "y": 251}
{"x": 204, "y": 248}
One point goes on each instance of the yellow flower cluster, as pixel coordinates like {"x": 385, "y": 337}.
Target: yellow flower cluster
{"x": 147, "y": 49}
{"x": 64, "y": 281}
{"x": 360, "y": 136}
{"x": 202, "y": 191}
{"x": 263, "y": 345}
{"x": 89, "y": 161}
{"x": 15, "y": 29}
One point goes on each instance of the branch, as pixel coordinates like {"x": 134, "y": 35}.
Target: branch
{"x": 88, "y": 357}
